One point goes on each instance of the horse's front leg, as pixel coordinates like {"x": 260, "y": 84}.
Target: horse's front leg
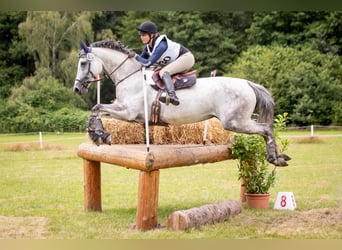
{"x": 116, "y": 110}
{"x": 96, "y": 131}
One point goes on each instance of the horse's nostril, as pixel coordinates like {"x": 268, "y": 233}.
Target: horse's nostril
{"x": 76, "y": 90}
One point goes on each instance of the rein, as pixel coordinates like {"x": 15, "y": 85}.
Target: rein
{"x": 130, "y": 74}
{"x": 119, "y": 65}
{"x": 87, "y": 83}
{"x": 121, "y": 80}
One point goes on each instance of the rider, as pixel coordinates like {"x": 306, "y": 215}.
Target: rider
{"x": 160, "y": 50}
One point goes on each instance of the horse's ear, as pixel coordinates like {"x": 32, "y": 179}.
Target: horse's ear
{"x": 84, "y": 47}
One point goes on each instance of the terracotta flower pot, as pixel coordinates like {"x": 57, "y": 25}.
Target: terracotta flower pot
{"x": 257, "y": 200}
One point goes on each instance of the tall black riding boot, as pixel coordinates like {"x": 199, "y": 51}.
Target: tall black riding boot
{"x": 170, "y": 88}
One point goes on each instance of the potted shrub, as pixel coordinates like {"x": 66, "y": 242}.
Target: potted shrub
{"x": 254, "y": 170}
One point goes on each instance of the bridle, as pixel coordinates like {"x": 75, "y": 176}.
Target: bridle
{"x": 90, "y": 57}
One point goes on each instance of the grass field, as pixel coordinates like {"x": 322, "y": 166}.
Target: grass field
{"x": 42, "y": 193}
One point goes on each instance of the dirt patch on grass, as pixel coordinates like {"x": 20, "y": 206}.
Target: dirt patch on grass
{"x": 322, "y": 223}
{"x": 34, "y": 146}
{"x": 309, "y": 139}
{"x": 23, "y": 227}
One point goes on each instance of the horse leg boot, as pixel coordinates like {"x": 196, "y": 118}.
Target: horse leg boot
{"x": 170, "y": 88}
{"x": 96, "y": 131}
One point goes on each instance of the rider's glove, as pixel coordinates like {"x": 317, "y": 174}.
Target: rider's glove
{"x": 131, "y": 54}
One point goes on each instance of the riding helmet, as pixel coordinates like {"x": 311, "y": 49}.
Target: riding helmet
{"x": 148, "y": 27}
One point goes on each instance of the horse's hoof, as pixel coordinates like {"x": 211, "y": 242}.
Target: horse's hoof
{"x": 98, "y": 142}
{"x": 107, "y": 138}
{"x": 280, "y": 162}
{"x": 94, "y": 137}
{"x": 285, "y": 157}
{"x": 271, "y": 159}
{"x": 109, "y": 141}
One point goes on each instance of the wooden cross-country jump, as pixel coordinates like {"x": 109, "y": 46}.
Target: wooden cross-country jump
{"x": 148, "y": 163}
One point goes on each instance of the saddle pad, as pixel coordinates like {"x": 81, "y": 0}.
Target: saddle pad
{"x": 181, "y": 81}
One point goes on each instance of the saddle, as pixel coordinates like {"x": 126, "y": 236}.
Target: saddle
{"x": 180, "y": 80}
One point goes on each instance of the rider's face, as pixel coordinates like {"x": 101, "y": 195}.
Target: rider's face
{"x": 145, "y": 38}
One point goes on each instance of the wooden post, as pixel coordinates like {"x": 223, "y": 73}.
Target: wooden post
{"x": 92, "y": 185}
{"x": 149, "y": 165}
{"x": 147, "y": 209}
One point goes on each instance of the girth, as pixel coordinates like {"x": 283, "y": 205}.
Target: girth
{"x": 155, "y": 111}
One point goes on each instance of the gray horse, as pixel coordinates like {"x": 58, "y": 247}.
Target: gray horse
{"x": 231, "y": 100}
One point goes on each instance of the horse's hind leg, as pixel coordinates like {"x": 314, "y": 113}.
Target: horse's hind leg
{"x": 272, "y": 151}
{"x": 266, "y": 131}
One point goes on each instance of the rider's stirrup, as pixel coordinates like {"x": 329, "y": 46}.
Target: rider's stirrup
{"x": 165, "y": 98}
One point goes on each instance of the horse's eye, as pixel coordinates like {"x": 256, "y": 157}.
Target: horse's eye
{"x": 83, "y": 64}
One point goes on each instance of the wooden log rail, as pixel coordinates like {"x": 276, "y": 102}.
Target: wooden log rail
{"x": 206, "y": 214}
{"x": 148, "y": 163}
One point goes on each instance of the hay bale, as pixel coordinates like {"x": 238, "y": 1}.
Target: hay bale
{"x": 133, "y": 133}
{"x": 124, "y": 132}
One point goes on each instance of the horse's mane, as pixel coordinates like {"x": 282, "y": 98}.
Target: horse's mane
{"x": 111, "y": 44}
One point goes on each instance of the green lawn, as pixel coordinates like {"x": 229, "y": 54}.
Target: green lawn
{"x": 42, "y": 194}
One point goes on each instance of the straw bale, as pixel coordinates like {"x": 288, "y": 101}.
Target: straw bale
{"x": 133, "y": 133}
{"x": 124, "y": 132}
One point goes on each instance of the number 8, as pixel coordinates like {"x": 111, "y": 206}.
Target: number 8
{"x": 283, "y": 201}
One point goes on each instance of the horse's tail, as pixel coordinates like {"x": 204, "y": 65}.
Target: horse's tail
{"x": 264, "y": 103}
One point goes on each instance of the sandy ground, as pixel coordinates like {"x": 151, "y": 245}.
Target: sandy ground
{"x": 325, "y": 223}
{"x": 23, "y": 227}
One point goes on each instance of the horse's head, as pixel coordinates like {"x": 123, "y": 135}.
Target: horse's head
{"x": 89, "y": 67}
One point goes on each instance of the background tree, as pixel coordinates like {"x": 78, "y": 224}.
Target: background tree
{"x": 15, "y": 63}
{"x": 326, "y": 34}
{"x": 304, "y": 82}
{"x": 50, "y": 35}
{"x": 319, "y": 29}
{"x": 32, "y": 105}
{"x": 204, "y": 35}
{"x": 106, "y": 24}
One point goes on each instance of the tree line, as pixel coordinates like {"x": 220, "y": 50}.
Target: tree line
{"x": 296, "y": 55}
